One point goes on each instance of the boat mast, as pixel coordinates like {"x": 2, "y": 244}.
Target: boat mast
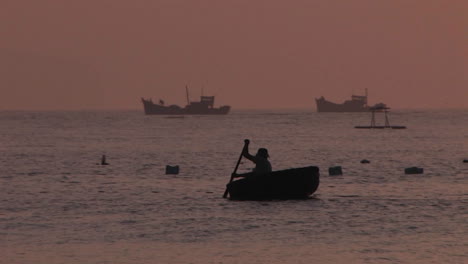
{"x": 366, "y": 98}
{"x": 186, "y": 90}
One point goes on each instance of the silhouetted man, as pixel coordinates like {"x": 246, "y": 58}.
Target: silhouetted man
{"x": 262, "y": 164}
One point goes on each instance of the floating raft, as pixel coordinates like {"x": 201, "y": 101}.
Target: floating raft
{"x": 298, "y": 183}
{"x": 381, "y": 127}
{"x": 380, "y": 108}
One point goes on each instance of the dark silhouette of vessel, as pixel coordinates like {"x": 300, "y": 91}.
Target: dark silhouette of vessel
{"x": 203, "y": 107}
{"x": 358, "y": 103}
{"x": 297, "y": 183}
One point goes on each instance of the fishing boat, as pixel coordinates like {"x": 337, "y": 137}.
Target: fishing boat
{"x": 203, "y": 107}
{"x": 358, "y": 103}
{"x": 297, "y": 183}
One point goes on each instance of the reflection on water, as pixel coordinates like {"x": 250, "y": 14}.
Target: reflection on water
{"x": 58, "y": 206}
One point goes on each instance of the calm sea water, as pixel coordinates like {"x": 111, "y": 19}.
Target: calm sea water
{"x": 58, "y": 206}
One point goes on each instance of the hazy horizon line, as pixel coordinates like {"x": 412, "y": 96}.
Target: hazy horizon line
{"x": 232, "y": 109}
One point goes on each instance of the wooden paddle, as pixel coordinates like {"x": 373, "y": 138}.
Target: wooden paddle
{"x": 246, "y": 142}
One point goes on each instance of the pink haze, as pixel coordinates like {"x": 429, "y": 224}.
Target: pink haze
{"x": 251, "y": 54}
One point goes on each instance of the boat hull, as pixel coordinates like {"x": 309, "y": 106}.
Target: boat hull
{"x": 298, "y": 183}
{"x": 348, "y": 106}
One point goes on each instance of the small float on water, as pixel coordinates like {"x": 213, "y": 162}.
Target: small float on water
{"x": 297, "y": 183}
{"x": 380, "y": 108}
{"x": 103, "y": 160}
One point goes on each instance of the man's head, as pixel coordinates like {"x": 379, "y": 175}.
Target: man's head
{"x": 262, "y": 152}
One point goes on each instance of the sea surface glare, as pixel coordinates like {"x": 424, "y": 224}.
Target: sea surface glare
{"x": 57, "y": 205}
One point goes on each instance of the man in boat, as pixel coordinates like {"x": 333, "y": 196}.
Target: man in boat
{"x": 262, "y": 164}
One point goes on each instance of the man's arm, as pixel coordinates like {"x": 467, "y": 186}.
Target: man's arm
{"x": 245, "y": 151}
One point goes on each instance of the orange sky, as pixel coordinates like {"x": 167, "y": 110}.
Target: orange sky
{"x": 59, "y": 54}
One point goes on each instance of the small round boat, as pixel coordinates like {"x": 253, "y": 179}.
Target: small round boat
{"x": 297, "y": 183}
